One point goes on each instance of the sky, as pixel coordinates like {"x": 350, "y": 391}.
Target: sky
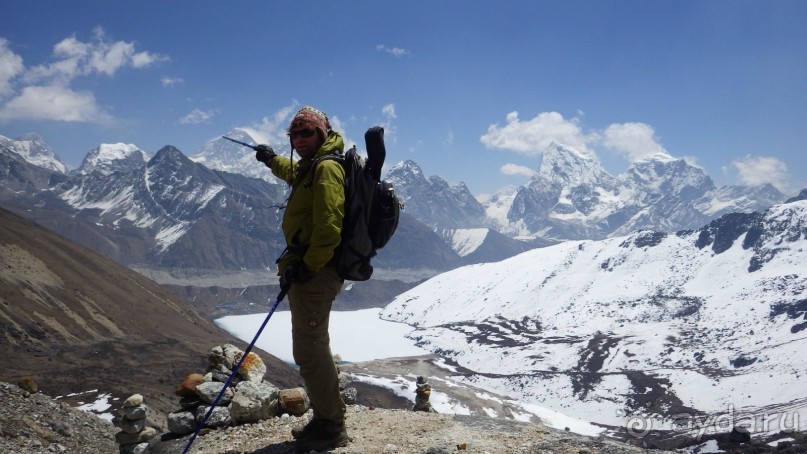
{"x": 472, "y": 91}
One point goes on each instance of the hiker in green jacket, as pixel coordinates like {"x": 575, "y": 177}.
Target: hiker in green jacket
{"x": 312, "y": 225}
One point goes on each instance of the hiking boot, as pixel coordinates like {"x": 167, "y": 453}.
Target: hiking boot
{"x": 315, "y": 425}
{"x": 320, "y": 434}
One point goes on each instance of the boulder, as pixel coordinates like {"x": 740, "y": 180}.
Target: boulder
{"x": 28, "y": 384}
{"x": 132, "y": 426}
{"x": 189, "y": 384}
{"x": 220, "y": 417}
{"x": 349, "y": 395}
{"x": 226, "y": 355}
{"x": 219, "y": 373}
{"x": 123, "y": 438}
{"x": 254, "y": 402}
{"x": 294, "y": 401}
{"x": 253, "y": 368}
{"x": 135, "y": 400}
{"x": 209, "y": 391}
{"x": 190, "y": 402}
{"x": 182, "y": 422}
{"x": 134, "y": 413}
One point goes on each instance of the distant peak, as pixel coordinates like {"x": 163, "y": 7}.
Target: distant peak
{"x": 168, "y": 152}
{"x": 560, "y": 149}
{"x": 659, "y": 156}
{"x": 239, "y": 134}
{"x": 407, "y": 165}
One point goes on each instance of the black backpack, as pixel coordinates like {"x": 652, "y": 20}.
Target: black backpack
{"x": 371, "y": 208}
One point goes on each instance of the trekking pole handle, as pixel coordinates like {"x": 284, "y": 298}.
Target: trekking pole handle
{"x": 254, "y": 147}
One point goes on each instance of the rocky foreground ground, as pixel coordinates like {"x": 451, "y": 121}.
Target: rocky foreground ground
{"x": 35, "y": 423}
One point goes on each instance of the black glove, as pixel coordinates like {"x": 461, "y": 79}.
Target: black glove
{"x": 264, "y": 154}
{"x": 295, "y": 272}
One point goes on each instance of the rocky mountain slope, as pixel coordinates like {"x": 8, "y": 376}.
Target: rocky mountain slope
{"x": 75, "y": 321}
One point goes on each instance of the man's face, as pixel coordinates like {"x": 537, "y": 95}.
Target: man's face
{"x": 305, "y": 140}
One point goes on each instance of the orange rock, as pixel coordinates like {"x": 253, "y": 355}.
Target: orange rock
{"x": 294, "y": 401}
{"x": 253, "y": 368}
{"x": 188, "y": 386}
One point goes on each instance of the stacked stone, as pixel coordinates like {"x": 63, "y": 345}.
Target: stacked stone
{"x": 423, "y": 390}
{"x": 248, "y": 399}
{"x": 348, "y": 394}
{"x": 131, "y": 419}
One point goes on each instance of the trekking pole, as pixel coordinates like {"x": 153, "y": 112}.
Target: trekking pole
{"x": 240, "y": 143}
{"x": 280, "y": 296}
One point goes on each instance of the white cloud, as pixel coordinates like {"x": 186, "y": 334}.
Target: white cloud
{"x": 144, "y": 59}
{"x": 693, "y": 161}
{"x": 171, "y": 81}
{"x": 395, "y": 51}
{"x": 272, "y": 130}
{"x": 449, "y": 140}
{"x": 390, "y": 130}
{"x": 533, "y": 136}
{"x": 46, "y": 93}
{"x": 53, "y": 102}
{"x": 10, "y": 67}
{"x": 633, "y": 141}
{"x": 389, "y": 111}
{"x": 759, "y": 170}
{"x": 197, "y": 116}
{"x": 75, "y": 58}
{"x": 515, "y": 169}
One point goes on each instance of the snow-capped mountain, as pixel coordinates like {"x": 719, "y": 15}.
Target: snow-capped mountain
{"x": 187, "y": 212}
{"x": 705, "y": 321}
{"x": 481, "y": 245}
{"x": 573, "y": 197}
{"x": 171, "y": 212}
{"x": 432, "y": 200}
{"x": 34, "y": 150}
{"x": 108, "y": 158}
{"x": 222, "y": 154}
{"x": 19, "y": 177}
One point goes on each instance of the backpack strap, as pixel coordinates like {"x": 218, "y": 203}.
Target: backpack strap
{"x": 333, "y": 156}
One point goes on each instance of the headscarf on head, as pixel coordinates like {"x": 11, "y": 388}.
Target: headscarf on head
{"x": 312, "y": 117}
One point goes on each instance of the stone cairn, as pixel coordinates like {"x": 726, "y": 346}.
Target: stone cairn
{"x": 134, "y": 435}
{"x": 248, "y": 399}
{"x": 348, "y": 394}
{"x": 423, "y": 390}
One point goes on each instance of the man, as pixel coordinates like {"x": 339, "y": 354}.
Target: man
{"x": 312, "y": 225}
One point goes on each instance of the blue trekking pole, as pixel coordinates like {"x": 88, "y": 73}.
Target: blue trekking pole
{"x": 280, "y": 296}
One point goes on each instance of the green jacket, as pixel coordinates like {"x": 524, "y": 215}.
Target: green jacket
{"x": 312, "y": 223}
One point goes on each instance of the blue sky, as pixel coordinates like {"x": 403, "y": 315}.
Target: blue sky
{"x": 470, "y": 90}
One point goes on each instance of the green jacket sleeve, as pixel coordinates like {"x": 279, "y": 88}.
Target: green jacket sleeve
{"x": 281, "y": 168}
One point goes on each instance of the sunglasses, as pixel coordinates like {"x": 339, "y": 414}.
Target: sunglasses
{"x": 306, "y": 133}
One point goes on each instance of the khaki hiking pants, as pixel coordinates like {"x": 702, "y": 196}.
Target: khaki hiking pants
{"x": 310, "y": 303}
